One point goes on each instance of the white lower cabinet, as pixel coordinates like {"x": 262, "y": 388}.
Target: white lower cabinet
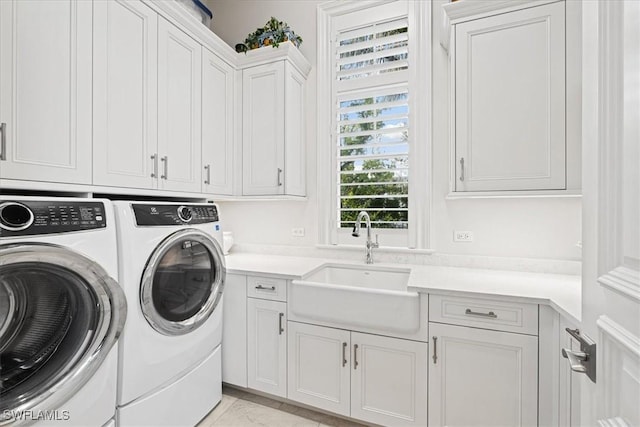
{"x": 482, "y": 378}
{"x": 369, "y": 377}
{"x": 267, "y": 346}
{"x": 234, "y": 331}
{"x": 319, "y": 367}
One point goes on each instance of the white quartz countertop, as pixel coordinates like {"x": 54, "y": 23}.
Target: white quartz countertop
{"x": 561, "y": 292}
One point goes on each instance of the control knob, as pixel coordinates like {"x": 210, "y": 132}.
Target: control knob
{"x": 185, "y": 213}
{"x": 15, "y": 216}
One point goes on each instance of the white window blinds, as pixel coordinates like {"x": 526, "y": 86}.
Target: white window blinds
{"x": 372, "y": 122}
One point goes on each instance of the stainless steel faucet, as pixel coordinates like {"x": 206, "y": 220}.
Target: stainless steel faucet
{"x": 356, "y": 233}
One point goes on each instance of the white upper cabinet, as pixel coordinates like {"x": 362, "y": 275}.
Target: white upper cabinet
{"x": 125, "y": 69}
{"x": 217, "y": 124}
{"x": 263, "y": 129}
{"x": 508, "y": 74}
{"x": 273, "y": 122}
{"x": 45, "y": 90}
{"x": 179, "y": 109}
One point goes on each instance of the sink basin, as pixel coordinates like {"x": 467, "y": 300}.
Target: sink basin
{"x": 361, "y": 277}
{"x": 366, "y": 296}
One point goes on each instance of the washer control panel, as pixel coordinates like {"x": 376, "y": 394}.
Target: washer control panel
{"x": 159, "y": 214}
{"x": 28, "y": 217}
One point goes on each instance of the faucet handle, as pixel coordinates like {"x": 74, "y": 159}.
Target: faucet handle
{"x": 376, "y": 244}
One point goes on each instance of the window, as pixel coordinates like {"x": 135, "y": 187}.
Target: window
{"x": 367, "y": 73}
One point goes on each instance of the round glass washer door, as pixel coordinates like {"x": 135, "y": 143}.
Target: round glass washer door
{"x": 182, "y": 283}
{"x": 60, "y": 315}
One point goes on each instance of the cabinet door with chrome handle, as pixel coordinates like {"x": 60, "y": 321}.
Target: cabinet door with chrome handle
{"x": 267, "y": 346}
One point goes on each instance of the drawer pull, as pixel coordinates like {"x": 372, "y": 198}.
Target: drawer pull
{"x": 344, "y": 354}
{"x": 490, "y": 314}
{"x": 266, "y": 288}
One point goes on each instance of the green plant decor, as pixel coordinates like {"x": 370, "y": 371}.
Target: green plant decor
{"x": 272, "y": 34}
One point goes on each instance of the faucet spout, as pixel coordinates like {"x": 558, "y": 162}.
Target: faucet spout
{"x": 370, "y": 245}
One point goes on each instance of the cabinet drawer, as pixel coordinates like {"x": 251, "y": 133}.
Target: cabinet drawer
{"x": 502, "y": 316}
{"x": 267, "y": 288}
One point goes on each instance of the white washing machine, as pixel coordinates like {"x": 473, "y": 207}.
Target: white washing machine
{"x": 172, "y": 272}
{"x": 61, "y": 311}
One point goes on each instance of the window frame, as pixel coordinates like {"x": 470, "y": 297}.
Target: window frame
{"x": 417, "y": 236}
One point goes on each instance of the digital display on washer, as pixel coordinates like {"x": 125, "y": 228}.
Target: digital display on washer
{"x": 148, "y": 214}
{"x": 27, "y": 217}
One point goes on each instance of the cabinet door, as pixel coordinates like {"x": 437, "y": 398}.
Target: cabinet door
{"x": 263, "y": 115}
{"x": 267, "y": 346}
{"x": 234, "y": 331}
{"x": 319, "y": 367}
{"x": 295, "y": 133}
{"x": 45, "y": 90}
{"x": 125, "y": 69}
{"x": 217, "y": 124}
{"x": 510, "y": 101}
{"x": 482, "y": 378}
{"x": 179, "y": 109}
{"x": 388, "y": 380}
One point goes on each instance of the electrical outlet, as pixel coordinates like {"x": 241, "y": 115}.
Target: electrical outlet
{"x": 462, "y": 236}
{"x": 297, "y": 232}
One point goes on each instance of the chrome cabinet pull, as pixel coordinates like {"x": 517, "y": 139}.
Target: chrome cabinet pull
{"x": 3, "y": 141}
{"x": 208, "y": 178}
{"x": 435, "y": 353}
{"x": 267, "y": 288}
{"x": 280, "y": 324}
{"x": 584, "y": 360}
{"x": 490, "y": 314}
{"x": 165, "y": 167}
{"x": 355, "y": 356}
{"x": 461, "y": 168}
{"x": 344, "y": 354}
{"x": 279, "y": 177}
{"x": 575, "y": 359}
{"x": 154, "y": 158}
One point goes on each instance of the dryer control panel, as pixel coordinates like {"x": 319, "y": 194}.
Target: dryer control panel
{"x": 28, "y": 217}
{"x": 159, "y": 214}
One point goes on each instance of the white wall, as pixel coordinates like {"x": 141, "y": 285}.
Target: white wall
{"x": 532, "y": 228}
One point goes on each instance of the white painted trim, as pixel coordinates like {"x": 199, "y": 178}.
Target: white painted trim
{"x": 623, "y": 280}
{"x": 620, "y": 335}
{"x": 323, "y": 114}
{"x": 420, "y": 122}
{"x": 454, "y": 195}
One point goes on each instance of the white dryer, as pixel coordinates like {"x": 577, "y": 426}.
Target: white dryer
{"x": 172, "y": 271}
{"x": 61, "y": 311}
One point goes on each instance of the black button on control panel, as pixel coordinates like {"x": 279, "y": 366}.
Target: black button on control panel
{"x": 27, "y": 217}
{"x": 147, "y": 214}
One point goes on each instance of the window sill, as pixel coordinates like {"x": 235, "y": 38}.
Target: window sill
{"x": 387, "y": 249}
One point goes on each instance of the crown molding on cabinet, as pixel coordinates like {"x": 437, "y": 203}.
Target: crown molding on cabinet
{"x": 467, "y": 10}
{"x": 263, "y": 55}
{"x": 181, "y": 18}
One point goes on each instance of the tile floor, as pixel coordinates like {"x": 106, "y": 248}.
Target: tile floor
{"x": 239, "y": 408}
